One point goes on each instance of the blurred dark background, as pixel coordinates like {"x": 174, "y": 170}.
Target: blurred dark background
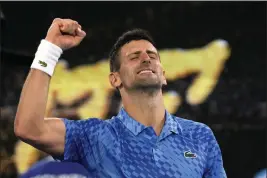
{"x": 239, "y": 120}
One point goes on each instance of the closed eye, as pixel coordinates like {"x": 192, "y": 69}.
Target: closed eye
{"x": 152, "y": 56}
{"x": 133, "y": 58}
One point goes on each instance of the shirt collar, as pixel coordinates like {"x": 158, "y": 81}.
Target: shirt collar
{"x": 170, "y": 125}
{"x": 130, "y": 123}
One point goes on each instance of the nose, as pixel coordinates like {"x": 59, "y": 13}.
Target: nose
{"x": 145, "y": 58}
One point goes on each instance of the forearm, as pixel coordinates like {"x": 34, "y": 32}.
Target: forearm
{"x": 31, "y": 108}
{"x": 29, "y": 122}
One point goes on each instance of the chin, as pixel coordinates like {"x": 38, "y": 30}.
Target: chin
{"x": 148, "y": 85}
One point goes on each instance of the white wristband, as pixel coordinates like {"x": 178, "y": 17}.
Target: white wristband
{"x": 46, "y": 57}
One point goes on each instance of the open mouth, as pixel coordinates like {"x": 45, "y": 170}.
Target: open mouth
{"x": 145, "y": 71}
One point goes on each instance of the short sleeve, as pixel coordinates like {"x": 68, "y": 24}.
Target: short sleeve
{"x": 80, "y": 140}
{"x": 215, "y": 168}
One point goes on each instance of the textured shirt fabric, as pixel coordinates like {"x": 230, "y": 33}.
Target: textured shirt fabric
{"x": 122, "y": 147}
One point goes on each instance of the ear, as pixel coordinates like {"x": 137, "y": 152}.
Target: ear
{"x": 114, "y": 79}
{"x": 164, "y": 79}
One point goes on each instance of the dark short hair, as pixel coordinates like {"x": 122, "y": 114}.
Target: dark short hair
{"x": 135, "y": 34}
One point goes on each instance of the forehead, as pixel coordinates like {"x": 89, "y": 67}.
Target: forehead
{"x": 137, "y": 45}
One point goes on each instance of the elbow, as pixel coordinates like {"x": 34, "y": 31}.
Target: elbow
{"x": 24, "y": 135}
{"x": 27, "y": 131}
{"x": 19, "y": 131}
{"x": 19, "y": 127}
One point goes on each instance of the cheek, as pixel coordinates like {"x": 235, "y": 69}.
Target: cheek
{"x": 128, "y": 69}
{"x": 161, "y": 74}
{"x": 160, "y": 70}
{"x": 125, "y": 74}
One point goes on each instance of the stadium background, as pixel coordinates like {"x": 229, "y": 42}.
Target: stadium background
{"x": 235, "y": 108}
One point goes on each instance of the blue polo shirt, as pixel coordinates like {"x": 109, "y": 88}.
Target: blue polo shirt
{"x": 122, "y": 147}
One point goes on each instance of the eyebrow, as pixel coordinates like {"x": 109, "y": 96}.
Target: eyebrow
{"x": 148, "y": 51}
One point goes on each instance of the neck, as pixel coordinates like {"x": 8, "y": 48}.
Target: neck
{"x": 146, "y": 108}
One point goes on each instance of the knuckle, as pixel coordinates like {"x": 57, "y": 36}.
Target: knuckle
{"x": 57, "y": 19}
{"x": 69, "y": 20}
{"x": 72, "y": 22}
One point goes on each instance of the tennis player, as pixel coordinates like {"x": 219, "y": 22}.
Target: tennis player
{"x": 143, "y": 140}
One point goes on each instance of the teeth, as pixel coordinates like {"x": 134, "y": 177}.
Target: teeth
{"x": 145, "y": 71}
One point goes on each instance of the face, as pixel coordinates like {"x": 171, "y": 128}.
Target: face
{"x": 140, "y": 67}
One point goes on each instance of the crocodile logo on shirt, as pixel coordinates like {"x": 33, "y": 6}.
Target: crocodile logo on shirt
{"x": 189, "y": 154}
{"x": 42, "y": 63}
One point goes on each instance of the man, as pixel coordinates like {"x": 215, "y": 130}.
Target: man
{"x": 143, "y": 140}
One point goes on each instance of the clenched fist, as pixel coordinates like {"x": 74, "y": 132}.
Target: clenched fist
{"x": 65, "y": 33}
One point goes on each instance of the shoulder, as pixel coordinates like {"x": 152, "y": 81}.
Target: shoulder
{"x": 84, "y": 123}
{"x": 194, "y": 130}
{"x": 95, "y": 126}
{"x": 88, "y": 125}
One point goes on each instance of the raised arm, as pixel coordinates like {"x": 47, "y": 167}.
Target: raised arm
{"x": 46, "y": 134}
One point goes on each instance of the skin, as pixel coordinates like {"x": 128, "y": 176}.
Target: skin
{"x": 141, "y": 92}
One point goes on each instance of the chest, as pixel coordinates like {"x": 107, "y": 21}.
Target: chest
{"x": 147, "y": 156}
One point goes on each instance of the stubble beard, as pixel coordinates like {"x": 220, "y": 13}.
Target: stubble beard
{"x": 150, "y": 88}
